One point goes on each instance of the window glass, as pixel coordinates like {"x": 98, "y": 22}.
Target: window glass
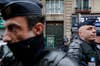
{"x": 82, "y": 4}
{"x": 54, "y": 6}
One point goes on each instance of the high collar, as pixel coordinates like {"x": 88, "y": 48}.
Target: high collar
{"x": 37, "y": 41}
{"x": 90, "y": 43}
{"x": 28, "y": 49}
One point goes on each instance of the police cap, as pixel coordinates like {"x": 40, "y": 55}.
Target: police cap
{"x": 90, "y": 21}
{"x": 3, "y": 2}
{"x": 21, "y": 8}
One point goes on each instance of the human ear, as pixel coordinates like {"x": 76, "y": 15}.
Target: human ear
{"x": 38, "y": 28}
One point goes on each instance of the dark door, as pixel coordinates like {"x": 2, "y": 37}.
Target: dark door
{"x": 55, "y": 29}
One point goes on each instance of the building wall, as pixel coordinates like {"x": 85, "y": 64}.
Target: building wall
{"x": 67, "y": 17}
{"x": 95, "y": 6}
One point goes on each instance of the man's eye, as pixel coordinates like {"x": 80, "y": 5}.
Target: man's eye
{"x": 13, "y": 27}
{"x": 10, "y": 28}
{"x": 90, "y": 28}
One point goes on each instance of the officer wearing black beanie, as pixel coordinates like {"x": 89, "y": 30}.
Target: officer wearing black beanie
{"x": 24, "y": 25}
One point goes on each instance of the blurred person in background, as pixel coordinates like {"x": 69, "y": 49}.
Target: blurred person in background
{"x": 64, "y": 46}
{"x": 97, "y": 42}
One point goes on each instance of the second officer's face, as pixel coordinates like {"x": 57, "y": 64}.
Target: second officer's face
{"x": 87, "y": 32}
{"x": 16, "y": 29}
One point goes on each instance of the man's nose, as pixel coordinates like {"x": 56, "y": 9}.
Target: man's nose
{"x": 6, "y": 37}
{"x": 94, "y": 30}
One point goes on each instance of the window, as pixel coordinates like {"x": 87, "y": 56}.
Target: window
{"x": 85, "y": 4}
{"x": 78, "y": 3}
{"x": 54, "y": 6}
{"x": 38, "y": 0}
{"x": 82, "y": 4}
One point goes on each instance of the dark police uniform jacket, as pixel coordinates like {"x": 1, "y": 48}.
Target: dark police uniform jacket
{"x": 31, "y": 53}
{"x": 81, "y": 52}
{"x": 47, "y": 58}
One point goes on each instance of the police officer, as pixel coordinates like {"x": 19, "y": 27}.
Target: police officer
{"x": 24, "y": 35}
{"x": 81, "y": 50}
